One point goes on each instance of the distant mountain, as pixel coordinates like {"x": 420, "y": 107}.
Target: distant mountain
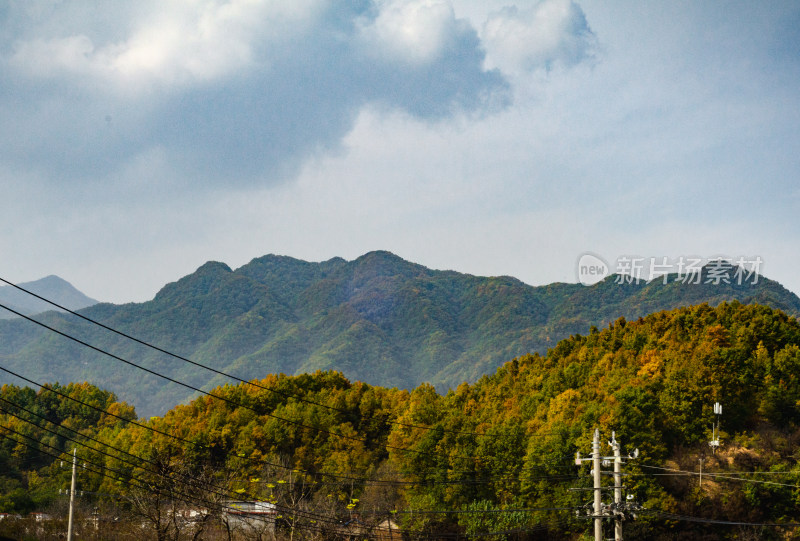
{"x": 51, "y": 287}
{"x": 378, "y": 319}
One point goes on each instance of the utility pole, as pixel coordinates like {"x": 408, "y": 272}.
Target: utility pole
{"x": 72, "y": 492}
{"x": 598, "y": 512}
{"x": 598, "y": 496}
{"x": 619, "y": 510}
{"x": 700, "y": 483}
{"x": 617, "y": 486}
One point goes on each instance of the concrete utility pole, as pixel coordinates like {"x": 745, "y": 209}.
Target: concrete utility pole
{"x": 72, "y": 492}
{"x": 598, "y": 495}
{"x": 619, "y": 510}
{"x": 617, "y": 486}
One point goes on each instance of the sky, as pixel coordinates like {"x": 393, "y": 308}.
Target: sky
{"x": 140, "y": 140}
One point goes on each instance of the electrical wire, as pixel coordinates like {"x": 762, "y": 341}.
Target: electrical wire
{"x": 313, "y": 517}
{"x": 219, "y": 397}
{"x": 189, "y": 479}
{"x": 687, "y": 518}
{"x": 123, "y": 476}
{"x": 346, "y": 479}
{"x": 233, "y": 402}
{"x": 477, "y": 511}
{"x": 233, "y": 377}
{"x": 455, "y": 482}
{"x": 220, "y": 372}
{"x": 150, "y": 428}
{"x": 720, "y": 476}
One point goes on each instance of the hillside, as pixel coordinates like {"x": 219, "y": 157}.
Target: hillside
{"x": 654, "y": 381}
{"x": 326, "y": 450}
{"x": 378, "y": 319}
{"x": 50, "y": 287}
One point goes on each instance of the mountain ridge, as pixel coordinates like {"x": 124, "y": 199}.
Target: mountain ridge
{"x": 378, "y": 319}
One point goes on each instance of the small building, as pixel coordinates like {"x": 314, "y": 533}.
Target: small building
{"x": 250, "y": 516}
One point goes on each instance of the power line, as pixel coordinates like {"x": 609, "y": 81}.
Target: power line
{"x": 363, "y": 480}
{"x": 214, "y": 370}
{"x": 83, "y": 444}
{"x": 378, "y": 482}
{"x": 139, "y": 459}
{"x": 145, "y": 427}
{"x": 137, "y": 483}
{"x": 194, "y": 482}
{"x": 231, "y": 401}
{"x": 219, "y": 397}
{"x": 687, "y": 518}
{"x": 478, "y": 511}
{"x": 723, "y": 476}
{"x": 307, "y": 515}
{"x": 151, "y": 463}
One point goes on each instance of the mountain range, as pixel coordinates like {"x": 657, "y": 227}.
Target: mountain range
{"x": 378, "y": 319}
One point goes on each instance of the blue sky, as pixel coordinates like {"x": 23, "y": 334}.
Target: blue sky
{"x": 138, "y": 141}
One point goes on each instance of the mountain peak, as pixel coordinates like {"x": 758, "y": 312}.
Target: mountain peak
{"x": 382, "y": 255}
{"x": 384, "y": 263}
{"x": 213, "y": 267}
{"x": 208, "y": 276}
{"x": 51, "y": 287}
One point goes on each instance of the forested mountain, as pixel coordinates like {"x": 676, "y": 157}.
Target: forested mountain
{"x": 50, "y": 287}
{"x": 378, "y": 319}
{"x": 492, "y": 460}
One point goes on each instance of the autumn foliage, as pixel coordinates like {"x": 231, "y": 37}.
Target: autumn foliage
{"x": 328, "y": 452}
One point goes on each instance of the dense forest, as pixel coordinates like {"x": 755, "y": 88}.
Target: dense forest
{"x": 377, "y": 319}
{"x": 335, "y": 459}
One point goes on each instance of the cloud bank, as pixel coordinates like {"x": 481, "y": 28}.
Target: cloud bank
{"x": 205, "y": 92}
{"x": 236, "y": 91}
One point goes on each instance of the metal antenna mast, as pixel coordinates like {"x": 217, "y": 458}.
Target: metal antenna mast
{"x": 715, "y": 443}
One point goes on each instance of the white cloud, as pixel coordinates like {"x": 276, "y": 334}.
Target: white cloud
{"x": 414, "y": 31}
{"x": 177, "y": 43}
{"x": 244, "y": 91}
{"x": 240, "y": 91}
{"x": 204, "y": 40}
{"x": 49, "y": 58}
{"x": 550, "y": 33}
